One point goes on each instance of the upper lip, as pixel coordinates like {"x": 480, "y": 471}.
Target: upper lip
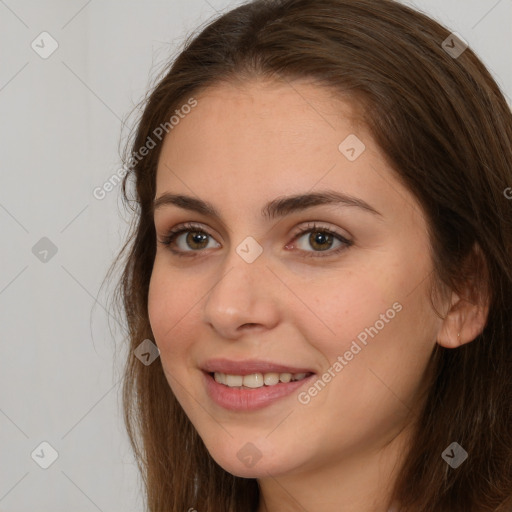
{"x": 248, "y": 366}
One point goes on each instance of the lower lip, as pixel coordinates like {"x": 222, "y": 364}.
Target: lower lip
{"x": 249, "y": 399}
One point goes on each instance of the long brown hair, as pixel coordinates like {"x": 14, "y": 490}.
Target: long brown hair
{"x": 446, "y": 128}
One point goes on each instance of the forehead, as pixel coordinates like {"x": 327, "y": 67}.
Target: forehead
{"x": 276, "y": 105}
{"x": 261, "y": 124}
{"x": 261, "y": 140}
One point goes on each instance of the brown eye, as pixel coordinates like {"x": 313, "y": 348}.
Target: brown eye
{"x": 195, "y": 240}
{"x": 321, "y": 240}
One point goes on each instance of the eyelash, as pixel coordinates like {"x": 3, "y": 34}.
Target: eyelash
{"x": 172, "y": 234}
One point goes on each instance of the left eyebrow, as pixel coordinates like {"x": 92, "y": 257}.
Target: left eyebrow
{"x": 278, "y": 207}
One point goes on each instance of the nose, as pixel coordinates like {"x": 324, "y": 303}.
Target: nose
{"x": 243, "y": 298}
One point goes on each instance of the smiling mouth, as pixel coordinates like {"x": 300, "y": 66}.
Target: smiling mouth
{"x": 257, "y": 380}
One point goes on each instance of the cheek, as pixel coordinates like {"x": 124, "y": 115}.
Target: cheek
{"x": 170, "y": 305}
{"x": 344, "y": 305}
{"x": 378, "y": 320}
{"x": 158, "y": 297}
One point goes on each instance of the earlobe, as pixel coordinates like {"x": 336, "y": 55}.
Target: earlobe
{"x": 467, "y": 316}
{"x": 463, "y": 323}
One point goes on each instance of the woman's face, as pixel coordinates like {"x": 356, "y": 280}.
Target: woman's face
{"x": 272, "y": 288}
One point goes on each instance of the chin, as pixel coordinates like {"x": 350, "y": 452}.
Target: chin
{"x": 249, "y": 462}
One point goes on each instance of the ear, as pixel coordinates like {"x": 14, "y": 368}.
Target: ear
{"x": 468, "y": 312}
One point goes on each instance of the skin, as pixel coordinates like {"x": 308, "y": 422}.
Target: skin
{"x": 240, "y": 147}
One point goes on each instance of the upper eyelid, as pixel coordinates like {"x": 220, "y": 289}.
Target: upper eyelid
{"x": 305, "y": 225}
{"x": 330, "y": 206}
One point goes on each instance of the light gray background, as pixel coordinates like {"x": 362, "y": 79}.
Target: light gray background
{"x": 59, "y": 132}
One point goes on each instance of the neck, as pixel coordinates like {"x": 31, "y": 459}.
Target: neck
{"x": 359, "y": 482}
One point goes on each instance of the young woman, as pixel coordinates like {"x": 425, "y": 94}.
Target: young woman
{"x": 322, "y": 253}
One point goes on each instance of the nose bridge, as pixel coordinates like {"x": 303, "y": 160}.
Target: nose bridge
{"x": 241, "y": 295}
{"x": 243, "y": 268}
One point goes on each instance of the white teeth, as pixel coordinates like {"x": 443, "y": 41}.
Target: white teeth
{"x": 271, "y": 379}
{"x": 256, "y": 380}
{"x": 233, "y": 380}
